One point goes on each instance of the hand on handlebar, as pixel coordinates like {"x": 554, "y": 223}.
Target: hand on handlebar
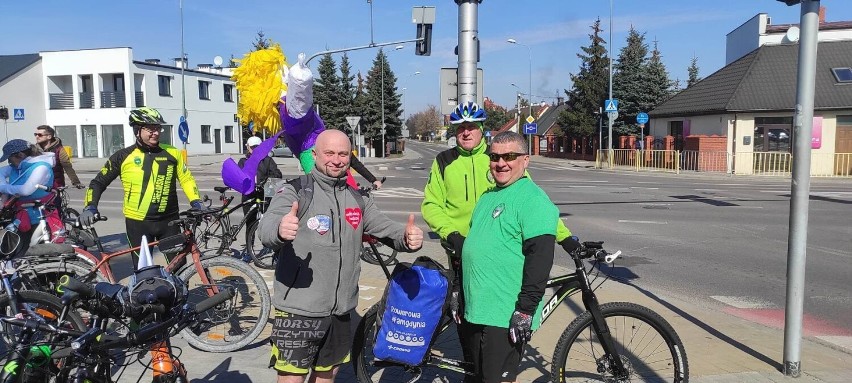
{"x": 79, "y": 185}
{"x": 377, "y": 184}
{"x": 571, "y": 244}
{"x": 89, "y": 216}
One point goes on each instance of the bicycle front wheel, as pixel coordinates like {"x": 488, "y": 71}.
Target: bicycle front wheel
{"x": 236, "y": 323}
{"x": 647, "y": 345}
{"x": 373, "y": 255}
{"x": 37, "y": 305}
{"x": 263, "y": 257}
{"x": 446, "y": 346}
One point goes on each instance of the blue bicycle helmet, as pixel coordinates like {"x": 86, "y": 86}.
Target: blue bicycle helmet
{"x": 467, "y": 112}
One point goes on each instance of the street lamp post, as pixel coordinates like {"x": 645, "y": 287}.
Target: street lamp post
{"x": 398, "y": 47}
{"x": 610, "y": 116}
{"x": 518, "y": 106}
{"x": 529, "y": 52}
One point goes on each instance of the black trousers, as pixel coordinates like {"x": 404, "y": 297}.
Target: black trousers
{"x": 153, "y": 230}
{"x": 251, "y": 215}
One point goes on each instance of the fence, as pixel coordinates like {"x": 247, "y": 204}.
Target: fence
{"x": 752, "y": 163}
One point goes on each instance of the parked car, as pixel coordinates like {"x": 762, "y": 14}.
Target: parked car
{"x": 281, "y": 151}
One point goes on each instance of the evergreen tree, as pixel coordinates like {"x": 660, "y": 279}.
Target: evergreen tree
{"x": 347, "y": 91}
{"x": 693, "y": 72}
{"x": 381, "y": 82}
{"x": 327, "y": 95}
{"x": 630, "y": 81}
{"x": 232, "y": 62}
{"x": 497, "y": 116}
{"x": 260, "y": 42}
{"x": 659, "y": 86}
{"x": 589, "y": 88}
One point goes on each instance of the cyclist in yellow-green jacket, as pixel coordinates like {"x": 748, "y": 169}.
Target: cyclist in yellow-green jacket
{"x": 149, "y": 172}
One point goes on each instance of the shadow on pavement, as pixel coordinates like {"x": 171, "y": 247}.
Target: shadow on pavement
{"x": 619, "y": 276}
{"x": 221, "y": 374}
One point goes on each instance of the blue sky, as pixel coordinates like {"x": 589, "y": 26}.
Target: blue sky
{"x": 554, "y": 30}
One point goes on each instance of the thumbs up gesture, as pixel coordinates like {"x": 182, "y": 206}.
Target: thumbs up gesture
{"x": 413, "y": 234}
{"x": 289, "y": 223}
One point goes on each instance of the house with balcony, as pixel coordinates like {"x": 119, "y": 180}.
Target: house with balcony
{"x": 87, "y": 95}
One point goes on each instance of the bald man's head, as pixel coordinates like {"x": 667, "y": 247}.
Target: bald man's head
{"x": 331, "y": 153}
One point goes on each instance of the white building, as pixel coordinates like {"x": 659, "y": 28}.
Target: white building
{"x": 87, "y": 95}
{"x": 759, "y": 31}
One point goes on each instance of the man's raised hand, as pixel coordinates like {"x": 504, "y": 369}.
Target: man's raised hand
{"x": 413, "y": 234}
{"x": 289, "y": 223}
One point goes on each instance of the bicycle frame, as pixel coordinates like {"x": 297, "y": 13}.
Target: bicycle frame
{"x": 103, "y": 266}
{"x": 224, "y": 217}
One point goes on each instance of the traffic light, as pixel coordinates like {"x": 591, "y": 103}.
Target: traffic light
{"x": 424, "y": 47}
{"x": 4, "y": 113}
{"x": 424, "y": 17}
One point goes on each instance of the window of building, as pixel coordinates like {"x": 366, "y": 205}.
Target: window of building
{"x": 773, "y": 134}
{"x": 842, "y": 75}
{"x": 113, "y": 138}
{"x": 229, "y": 92}
{"x": 676, "y": 131}
{"x": 205, "y": 134}
{"x": 165, "y": 85}
{"x": 90, "y": 140}
{"x": 841, "y": 120}
{"x": 166, "y": 134}
{"x": 203, "y": 90}
{"x": 229, "y": 134}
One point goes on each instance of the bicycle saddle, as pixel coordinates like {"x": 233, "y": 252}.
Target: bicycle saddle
{"x": 221, "y": 189}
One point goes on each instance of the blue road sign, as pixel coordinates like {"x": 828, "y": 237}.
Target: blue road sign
{"x": 642, "y": 118}
{"x": 611, "y": 105}
{"x": 531, "y": 128}
{"x": 183, "y": 130}
{"x": 19, "y": 114}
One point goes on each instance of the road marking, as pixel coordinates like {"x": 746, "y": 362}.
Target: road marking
{"x": 383, "y": 168}
{"x": 744, "y": 302}
{"x": 648, "y": 222}
{"x": 398, "y": 193}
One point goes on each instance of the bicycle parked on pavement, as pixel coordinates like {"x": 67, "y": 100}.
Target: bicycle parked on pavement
{"x": 217, "y": 234}
{"x": 229, "y": 326}
{"x": 611, "y": 342}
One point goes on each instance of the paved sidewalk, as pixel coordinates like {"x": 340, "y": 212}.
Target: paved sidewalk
{"x": 720, "y": 347}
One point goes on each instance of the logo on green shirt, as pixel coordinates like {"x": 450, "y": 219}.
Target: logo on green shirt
{"x": 137, "y": 161}
{"x": 498, "y": 210}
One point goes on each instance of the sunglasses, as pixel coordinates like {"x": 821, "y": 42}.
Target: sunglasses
{"x": 40, "y": 134}
{"x": 511, "y": 156}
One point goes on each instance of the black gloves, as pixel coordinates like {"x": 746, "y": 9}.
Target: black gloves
{"x": 457, "y": 241}
{"x": 570, "y": 244}
{"x": 89, "y": 216}
{"x": 520, "y": 327}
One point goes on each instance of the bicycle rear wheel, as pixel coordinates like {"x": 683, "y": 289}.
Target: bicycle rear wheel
{"x": 236, "y": 323}
{"x": 646, "y": 343}
{"x": 368, "y": 369}
{"x": 212, "y": 237}
{"x": 263, "y": 257}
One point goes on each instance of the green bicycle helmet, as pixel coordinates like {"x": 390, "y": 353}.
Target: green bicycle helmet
{"x": 145, "y": 116}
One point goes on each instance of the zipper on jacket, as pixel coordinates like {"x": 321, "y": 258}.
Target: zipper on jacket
{"x": 339, "y": 248}
{"x": 466, "y": 192}
{"x": 473, "y": 166}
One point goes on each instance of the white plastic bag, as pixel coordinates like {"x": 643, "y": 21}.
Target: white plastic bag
{"x": 300, "y": 89}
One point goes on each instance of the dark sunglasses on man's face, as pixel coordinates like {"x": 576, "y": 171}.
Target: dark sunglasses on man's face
{"x": 40, "y": 134}
{"x": 511, "y": 156}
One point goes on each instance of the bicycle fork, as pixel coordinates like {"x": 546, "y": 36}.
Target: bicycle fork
{"x": 611, "y": 360}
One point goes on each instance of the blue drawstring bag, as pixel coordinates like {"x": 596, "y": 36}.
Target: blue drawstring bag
{"x": 416, "y": 300}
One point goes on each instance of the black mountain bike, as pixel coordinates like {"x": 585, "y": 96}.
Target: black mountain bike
{"x": 218, "y": 234}
{"x": 611, "y": 342}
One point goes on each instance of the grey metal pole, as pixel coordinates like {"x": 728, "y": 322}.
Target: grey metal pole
{"x": 529, "y": 136}
{"x": 609, "y": 116}
{"x": 600, "y": 128}
{"x": 800, "y": 188}
{"x": 183, "y": 65}
{"x": 468, "y": 42}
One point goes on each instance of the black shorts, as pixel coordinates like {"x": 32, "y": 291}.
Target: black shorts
{"x": 300, "y": 343}
{"x": 495, "y": 357}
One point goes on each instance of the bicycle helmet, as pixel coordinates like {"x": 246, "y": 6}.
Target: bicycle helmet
{"x": 145, "y": 116}
{"x": 467, "y": 112}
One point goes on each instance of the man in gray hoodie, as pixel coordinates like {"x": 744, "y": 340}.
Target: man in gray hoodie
{"x": 316, "y": 277}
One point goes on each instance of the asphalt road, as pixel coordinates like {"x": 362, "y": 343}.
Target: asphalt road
{"x": 713, "y": 239}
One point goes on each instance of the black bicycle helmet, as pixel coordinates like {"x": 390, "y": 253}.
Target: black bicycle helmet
{"x": 146, "y": 116}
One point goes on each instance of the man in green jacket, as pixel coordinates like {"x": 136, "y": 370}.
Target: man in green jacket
{"x": 457, "y": 179}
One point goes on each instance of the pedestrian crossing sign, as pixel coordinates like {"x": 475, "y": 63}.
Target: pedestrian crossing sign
{"x": 611, "y": 105}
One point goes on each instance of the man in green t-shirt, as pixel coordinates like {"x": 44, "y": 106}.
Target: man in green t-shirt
{"x": 507, "y": 256}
